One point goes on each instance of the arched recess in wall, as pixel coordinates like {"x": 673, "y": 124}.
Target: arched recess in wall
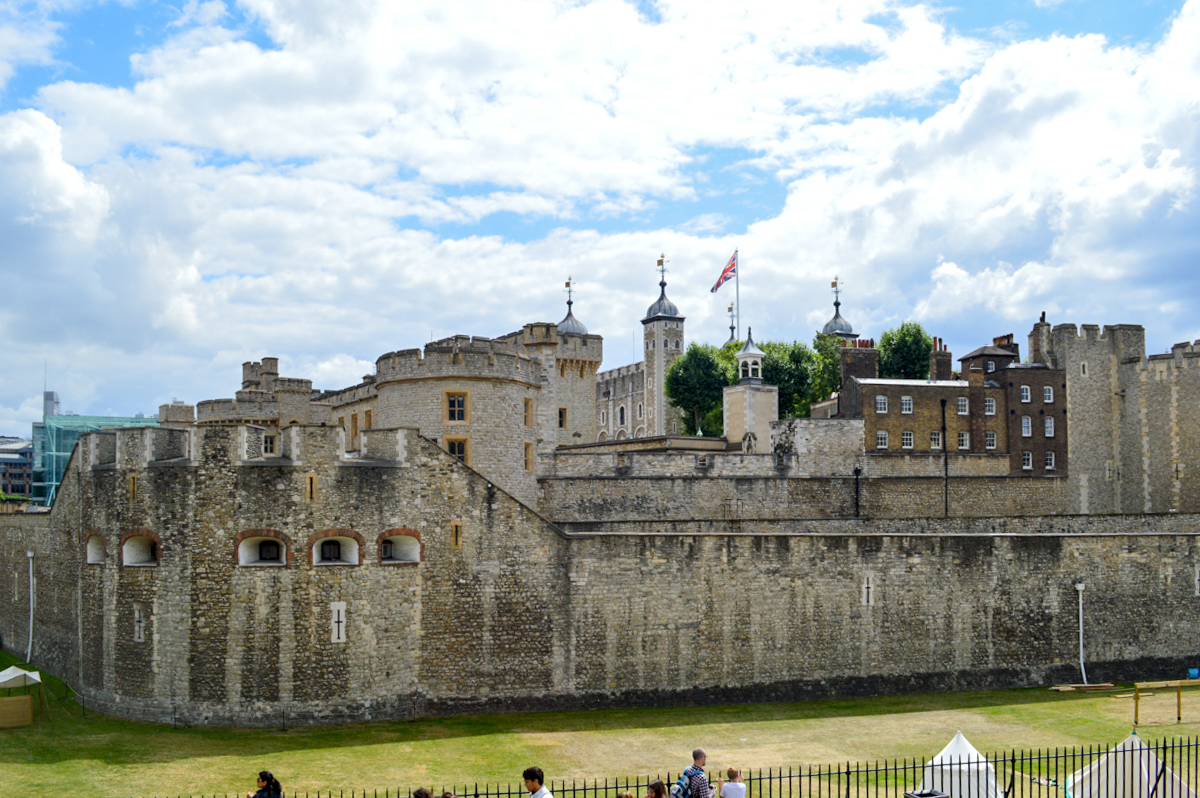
{"x": 262, "y": 548}
{"x": 95, "y": 548}
{"x": 332, "y": 547}
{"x": 603, "y": 436}
{"x": 140, "y": 548}
{"x": 399, "y": 547}
{"x": 640, "y": 432}
{"x": 621, "y": 435}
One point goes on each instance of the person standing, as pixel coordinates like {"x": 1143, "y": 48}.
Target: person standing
{"x": 534, "y": 782}
{"x": 698, "y": 786}
{"x": 734, "y": 788}
{"x": 268, "y": 786}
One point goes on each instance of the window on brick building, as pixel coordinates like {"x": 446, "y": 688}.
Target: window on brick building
{"x": 1026, "y": 394}
{"x": 991, "y": 365}
{"x": 1027, "y": 460}
{"x": 880, "y": 404}
{"x": 1026, "y": 427}
{"x": 935, "y": 440}
{"x": 989, "y": 407}
{"x": 906, "y": 440}
{"x": 1048, "y": 393}
{"x": 1049, "y": 426}
{"x": 456, "y": 408}
{"x": 458, "y": 449}
{"x": 336, "y": 550}
{"x": 1049, "y": 461}
{"x": 989, "y": 440}
{"x": 255, "y": 550}
{"x": 906, "y": 404}
{"x": 268, "y": 444}
{"x": 964, "y": 440}
{"x": 964, "y": 406}
{"x": 881, "y": 439}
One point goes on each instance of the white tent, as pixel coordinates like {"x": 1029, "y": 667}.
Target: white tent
{"x": 15, "y": 677}
{"x": 1130, "y": 770}
{"x": 961, "y": 772}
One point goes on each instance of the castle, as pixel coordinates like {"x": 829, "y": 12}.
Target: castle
{"x": 493, "y": 524}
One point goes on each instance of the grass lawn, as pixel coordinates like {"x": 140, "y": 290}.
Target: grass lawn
{"x": 98, "y": 756}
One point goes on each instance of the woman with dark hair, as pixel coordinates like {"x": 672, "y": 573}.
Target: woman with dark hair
{"x": 657, "y": 790}
{"x": 268, "y": 786}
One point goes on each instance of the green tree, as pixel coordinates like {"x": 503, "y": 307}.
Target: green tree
{"x": 904, "y": 352}
{"x": 694, "y": 384}
{"x": 788, "y": 366}
{"x": 825, "y": 374}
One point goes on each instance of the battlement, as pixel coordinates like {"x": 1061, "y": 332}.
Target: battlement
{"x": 293, "y": 384}
{"x": 261, "y": 374}
{"x": 1181, "y": 354}
{"x": 622, "y": 371}
{"x": 461, "y": 356}
{"x": 215, "y": 410}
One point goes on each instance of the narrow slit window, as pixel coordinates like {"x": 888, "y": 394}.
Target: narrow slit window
{"x": 456, "y": 535}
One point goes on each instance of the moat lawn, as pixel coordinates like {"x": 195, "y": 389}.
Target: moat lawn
{"x": 97, "y": 756}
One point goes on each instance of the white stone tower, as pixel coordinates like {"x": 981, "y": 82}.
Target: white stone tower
{"x": 662, "y": 334}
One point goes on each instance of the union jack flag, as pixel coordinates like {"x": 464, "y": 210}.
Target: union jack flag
{"x": 729, "y": 271}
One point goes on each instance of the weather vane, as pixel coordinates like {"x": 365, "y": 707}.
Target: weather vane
{"x": 569, "y": 284}
{"x": 662, "y": 266}
{"x": 837, "y": 290}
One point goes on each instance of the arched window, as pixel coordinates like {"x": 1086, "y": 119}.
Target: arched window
{"x": 139, "y": 549}
{"x": 397, "y": 546}
{"x": 603, "y": 417}
{"x": 641, "y": 409}
{"x": 622, "y": 416}
{"x": 745, "y": 369}
{"x": 676, "y": 344}
{"x": 336, "y": 547}
{"x": 264, "y": 547}
{"x": 755, "y": 369}
{"x": 268, "y": 551}
{"x": 95, "y": 549}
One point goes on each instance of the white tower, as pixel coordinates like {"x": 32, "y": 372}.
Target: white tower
{"x": 749, "y": 407}
{"x": 662, "y": 334}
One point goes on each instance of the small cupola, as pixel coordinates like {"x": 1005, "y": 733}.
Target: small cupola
{"x": 750, "y": 360}
{"x": 570, "y": 324}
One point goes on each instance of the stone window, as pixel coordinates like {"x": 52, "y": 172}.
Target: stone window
{"x": 529, "y": 457}
{"x": 1027, "y": 461}
{"x": 621, "y": 416}
{"x": 95, "y": 549}
{"x": 868, "y": 590}
{"x": 456, "y": 534}
{"x": 1049, "y": 426}
{"x": 906, "y": 439}
{"x": 1049, "y": 461}
{"x": 353, "y": 428}
{"x": 906, "y": 404}
{"x": 989, "y": 407}
{"x": 603, "y": 418}
{"x": 676, "y": 344}
{"x": 881, "y": 439}
{"x": 1083, "y": 369}
{"x": 582, "y": 370}
{"x": 342, "y": 422}
{"x": 964, "y": 406}
{"x": 562, "y": 418}
{"x": 459, "y": 449}
{"x": 1048, "y": 394}
{"x": 310, "y": 488}
{"x": 366, "y": 419}
{"x": 880, "y": 404}
{"x": 399, "y": 546}
{"x": 935, "y": 440}
{"x": 335, "y": 550}
{"x": 701, "y": 461}
{"x": 337, "y": 621}
{"x": 641, "y": 410}
{"x": 1198, "y": 579}
{"x": 1026, "y": 394}
{"x": 1026, "y": 427}
{"x": 262, "y": 547}
{"x": 456, "y": 408}
{"x": 989, "y": 440}
{"x": 139, "y": 549}
{"x": 139, "y": 623}
{"x": 991, "y": 365}
{"x": 529, "y": 412}
{"x": 964, "y": 440}
{"x": 268, "y": 444}
{"x": 133, "y": 487}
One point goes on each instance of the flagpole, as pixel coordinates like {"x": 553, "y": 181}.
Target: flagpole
{"x": 737, "y": 285}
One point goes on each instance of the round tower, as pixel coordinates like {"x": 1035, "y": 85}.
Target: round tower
{"x": 662, "y": 334}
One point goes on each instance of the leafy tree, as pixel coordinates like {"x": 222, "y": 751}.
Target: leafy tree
{"x": 825, "y": 371}
{"x": 788, "y": 366}
{"x": 694, "y": 384}
{"x": 904, "y": 352}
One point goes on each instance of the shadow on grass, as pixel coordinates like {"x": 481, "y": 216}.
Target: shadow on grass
{"x": 72, "y": 736}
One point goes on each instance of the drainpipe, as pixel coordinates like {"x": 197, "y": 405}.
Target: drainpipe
{"x": 1082, "y": 669}
{"x": 29, "y": 648}
{"x": 945, "y": 465}
{"x": 857, "y": 474}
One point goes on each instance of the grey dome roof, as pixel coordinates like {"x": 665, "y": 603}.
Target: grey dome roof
{"x": 750, "y": 349}
{"x": 664, "y": 306}
{"x": 570, "y": 324}
{"x": 837, "y": 325}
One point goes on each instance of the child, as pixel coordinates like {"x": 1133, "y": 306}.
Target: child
{"x": 735, "y": 787}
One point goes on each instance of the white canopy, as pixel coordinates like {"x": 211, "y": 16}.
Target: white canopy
{"x": 1130, "y": 770}
{"x": 961, "y": 772}
{"x": 15, "y": 677}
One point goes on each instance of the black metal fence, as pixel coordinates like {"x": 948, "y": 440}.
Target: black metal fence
{"x": 1163, "y": 769}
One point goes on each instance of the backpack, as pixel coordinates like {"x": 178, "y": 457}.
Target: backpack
{"x": 683, "y": 787}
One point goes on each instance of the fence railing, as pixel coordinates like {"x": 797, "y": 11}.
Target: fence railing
{"x": 1164, "y": 769}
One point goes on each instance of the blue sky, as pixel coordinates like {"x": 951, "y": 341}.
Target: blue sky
{"x": 196, "y": 184}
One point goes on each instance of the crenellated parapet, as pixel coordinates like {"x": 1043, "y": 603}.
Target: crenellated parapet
{"x": 460, "y": 357}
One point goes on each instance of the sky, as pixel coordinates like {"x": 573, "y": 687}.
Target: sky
{"x": 189, "y": 184}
